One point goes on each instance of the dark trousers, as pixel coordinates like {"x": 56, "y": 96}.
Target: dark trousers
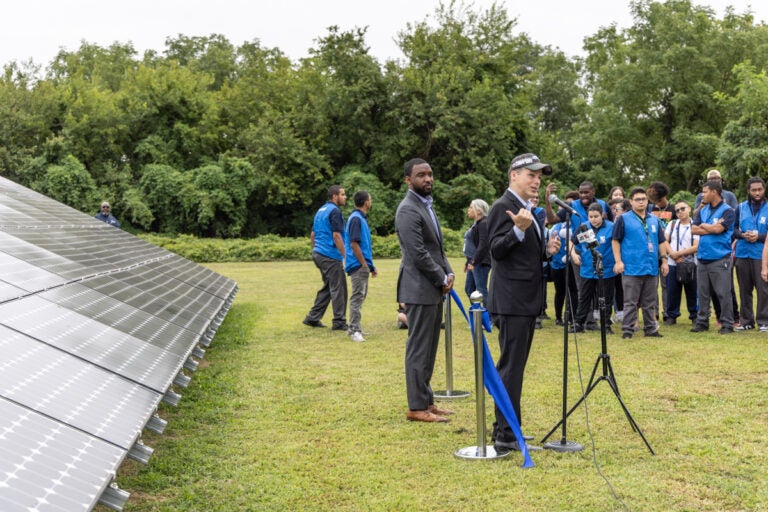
{"x": 734, "y": 302}
{"x": 515, "y": 337}
{"x": 420, "y": 351}
{"x": 748, "y": 275}
{"x": 334, "y": 291}
{"x": 675, "y": 295}
{"x": 618, "y": 294}
{"x": 565, "y": 293}
{"x": 589, "y": 292}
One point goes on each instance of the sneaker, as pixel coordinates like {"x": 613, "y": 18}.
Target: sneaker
{"x": 356, "y": 336}
{"x": 670, "y": 321}
{"x": 654, "y": 334}
{"x": 619, "y": 316}
{"x": 763, "y": 328}
{"x": 626, "y": 336}
{"x": 725, "y": 330}
{"x": 746, "y": 327}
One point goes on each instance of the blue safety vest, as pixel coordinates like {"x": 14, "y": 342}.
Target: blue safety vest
{"x": 752, "y": 222}
{"x": 323, "y": 234}
{"x": 714, "y": 247}
{"x": 604, "y": 247}
{"x": 640, "y": 246}
{"x": 365, "y": 243}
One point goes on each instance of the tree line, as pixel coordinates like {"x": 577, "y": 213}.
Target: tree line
{"x": 212, "y": 139}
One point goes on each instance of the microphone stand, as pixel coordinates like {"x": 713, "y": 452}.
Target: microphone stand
{"x": 607, "y": 374}
{"x": 564, "y": 445}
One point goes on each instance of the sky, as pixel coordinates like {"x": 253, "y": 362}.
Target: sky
{"x": 38, "y": 29}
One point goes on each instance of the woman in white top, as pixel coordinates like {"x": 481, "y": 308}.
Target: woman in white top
{"x": 683, "y": 245}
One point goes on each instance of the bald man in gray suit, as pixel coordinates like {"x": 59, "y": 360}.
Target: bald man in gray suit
{"x": 425, "y": 276}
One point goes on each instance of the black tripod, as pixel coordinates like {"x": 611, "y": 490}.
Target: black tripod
{"x": 604, "y": 358}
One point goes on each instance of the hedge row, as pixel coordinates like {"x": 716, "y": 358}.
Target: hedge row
{"x": 273, "y": 247}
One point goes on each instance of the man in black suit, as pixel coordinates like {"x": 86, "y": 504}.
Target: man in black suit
{"x": 425, "y": 276}
{"x": 516, "y": 295}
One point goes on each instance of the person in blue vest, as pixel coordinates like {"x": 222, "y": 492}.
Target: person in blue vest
{"x": 359, "y": 260}
{"x": 328, "y": 253}
{"x": 584, "y": 256}
{"x": 586, "y": 198}
{"x": 638, "y": 244}
{"x": 714, "y": 225}
{"x": 751, "y": 227}
{"x": 105, "y": 215}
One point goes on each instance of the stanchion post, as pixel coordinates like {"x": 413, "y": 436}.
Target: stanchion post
{"x": 480, "y": 451}
{"x": 449, "y": 392}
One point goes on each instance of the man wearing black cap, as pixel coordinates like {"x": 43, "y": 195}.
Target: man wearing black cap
{"x": 515, "y": 297}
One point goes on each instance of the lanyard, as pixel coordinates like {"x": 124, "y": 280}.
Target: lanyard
{"x": 643, "y": 221}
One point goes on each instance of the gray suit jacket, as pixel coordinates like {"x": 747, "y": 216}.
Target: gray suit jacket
{"x": 424, "y": 265}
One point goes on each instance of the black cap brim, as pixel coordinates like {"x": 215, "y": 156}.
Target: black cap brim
{"x": 544, "y": 168}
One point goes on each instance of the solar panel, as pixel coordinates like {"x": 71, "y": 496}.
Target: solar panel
{"x": 96, "y": 326}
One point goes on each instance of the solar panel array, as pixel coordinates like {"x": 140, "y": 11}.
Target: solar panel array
{"x": 97, "y": 327}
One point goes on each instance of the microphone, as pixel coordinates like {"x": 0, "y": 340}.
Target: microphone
{"x": 585, "y": 235}
{"x": 562, "y": 204}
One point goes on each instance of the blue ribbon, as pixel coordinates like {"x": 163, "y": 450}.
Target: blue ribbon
{"x": 493, "y": 382}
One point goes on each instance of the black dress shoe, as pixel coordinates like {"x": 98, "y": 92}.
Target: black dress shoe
{"x": 313, "y": 323}
{"x": 655, "y": 334}
{"x": 340, "y": 327}
{"x": 699, "y": 328}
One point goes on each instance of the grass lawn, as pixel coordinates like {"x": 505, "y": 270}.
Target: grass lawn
{"x": 280, "y": 416}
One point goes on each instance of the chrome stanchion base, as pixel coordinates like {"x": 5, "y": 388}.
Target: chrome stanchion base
{"x": 450, "y": 394}
{"x": 473, "y": 452}
{"x": 563, "y": 446}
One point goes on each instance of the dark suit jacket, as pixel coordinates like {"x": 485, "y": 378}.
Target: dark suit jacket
{"x": 424, "y": 265}
{"x": 516, "y": 267}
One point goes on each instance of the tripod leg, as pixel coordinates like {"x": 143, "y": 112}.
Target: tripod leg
{"x": 592, "y": 383}
{"x": 632, "y": 422}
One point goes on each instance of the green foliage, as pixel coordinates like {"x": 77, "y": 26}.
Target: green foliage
{"x": 455, "y": 198}
{"x": 69, "y": 183}
{"x": 273, "y": 247}
{"x": 743, "y": 150}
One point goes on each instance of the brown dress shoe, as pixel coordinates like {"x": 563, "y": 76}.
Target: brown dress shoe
{"x": 440, "y": 412}
{"x": 425, "y": 416}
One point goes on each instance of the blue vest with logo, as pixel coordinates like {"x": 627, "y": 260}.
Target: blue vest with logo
{"x": 714, "y": 247}
{"x": 750, "y": 222}
{"x": 604, "y": 247}
{"x": 582, "y": 211}
{"x": 365, "y": 243}
{"x": 638, "y": 259}
{"x": 323, "y": 234}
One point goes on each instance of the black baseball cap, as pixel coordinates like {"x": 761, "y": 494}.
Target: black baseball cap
{"x": 530, "y": 161}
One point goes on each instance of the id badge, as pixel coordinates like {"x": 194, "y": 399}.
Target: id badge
{"x": 650, "y": 247}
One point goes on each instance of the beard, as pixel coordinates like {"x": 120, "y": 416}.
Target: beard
{"x": 423, "y": 191}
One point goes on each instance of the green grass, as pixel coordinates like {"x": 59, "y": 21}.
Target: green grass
{"x": 283, "y": 417}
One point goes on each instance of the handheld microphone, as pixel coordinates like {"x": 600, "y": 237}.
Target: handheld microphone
{"x": 585, "y": 235}
{"x": 562, "y": 204}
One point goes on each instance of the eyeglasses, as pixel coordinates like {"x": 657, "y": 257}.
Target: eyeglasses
{"x": 681, "y": 209}
{"x": 640, "y": 199}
